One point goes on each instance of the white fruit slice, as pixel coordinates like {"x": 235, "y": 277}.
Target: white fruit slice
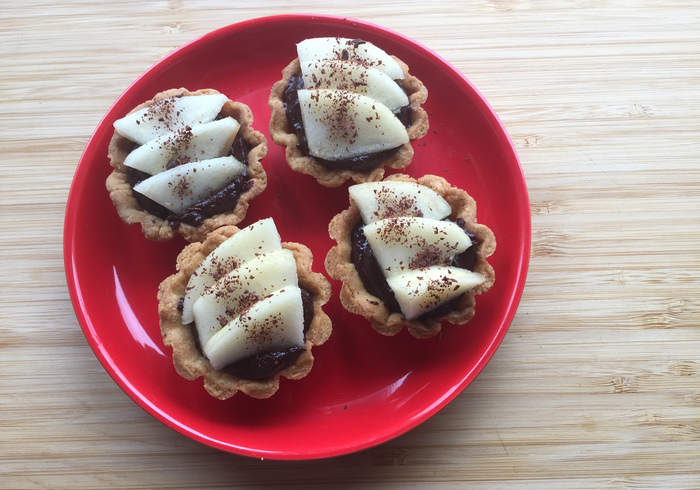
{"x": 337, "y": 48}
{"x": 400, "y": 244}
{"x": 169, "y": 115}
{"x": 341, "y": 124}
{"x": 201, "y": 142}
{"x": 392, "y": 199}
{"x": 421, "y": 290}
{"x": 241, "y": 288}
{"x": 345, "y": 75}
{"x": 275, "y": 323}
{"x": 259, "y": 238}
{"x": 179, "y": 188}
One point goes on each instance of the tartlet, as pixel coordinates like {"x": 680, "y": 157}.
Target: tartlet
{"x": 356, "y": 298}
{"x": 283, "y": 133}
{"x": 188, "y": 357}
{"x": 252, "y": 145}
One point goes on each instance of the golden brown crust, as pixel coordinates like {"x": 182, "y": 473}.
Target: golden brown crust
{"x": 157, "y": 229}
{"x": 190, "y": 363}
{"x": 282, "y": 133}
{"x": 354, "y": 295}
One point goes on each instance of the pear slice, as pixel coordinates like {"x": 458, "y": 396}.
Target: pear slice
{"x": 421, "y": 290}
{"x": 241, "y": 288}
{"x": 275, "y": 323}
{"x": 345, "y": 75}
{"x": 169, "y": 115}
{"x": 341, "y": 124}
{"x": 392, "y": 199}
{"x": 356, "y": 51}
{"x": 179, "y": 188}
{"x": 201, "y": 142}
{"x": 259, "y": 238}
{"x": 400, "y": 244}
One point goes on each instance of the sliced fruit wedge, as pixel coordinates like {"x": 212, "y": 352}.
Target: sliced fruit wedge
{"x": 341, "y": 124}
{"x": 168, "y": 115}
{"x": 392, "y": 199}
{"x": 201, "y": 142}
{"x": 275, "y": 323}
{"x": 345, "y": 75}
{"x": 181, "y": 187}
{"x": 353, "y": 50}
{"x": 400, "y": 244}
{"x": 259, "y": 238}
{"x": 241, "y": 288}
{"x": 421, "y": 290}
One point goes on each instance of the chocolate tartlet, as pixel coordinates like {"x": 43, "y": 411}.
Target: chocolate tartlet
{"x": 365, "y": 284}
{"x": 260, "y": 358}
{"x": 157, "y": 131}
{"x": 330, "y": 88}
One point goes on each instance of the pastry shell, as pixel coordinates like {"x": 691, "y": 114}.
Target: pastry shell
{"x": 189, "y": 361}
{"x": 157, "y": 229}
{"x": 283, "y": 134}
{"x": 355, "y": 297}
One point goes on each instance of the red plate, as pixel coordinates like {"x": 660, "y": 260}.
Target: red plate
{"x": 364, "y": 388}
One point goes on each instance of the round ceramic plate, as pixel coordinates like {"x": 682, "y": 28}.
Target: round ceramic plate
{"x": 364, "y": 388}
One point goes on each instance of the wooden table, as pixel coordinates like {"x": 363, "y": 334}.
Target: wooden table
{"x": 597, "y": 383}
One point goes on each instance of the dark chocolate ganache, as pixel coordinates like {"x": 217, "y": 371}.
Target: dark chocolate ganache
{"x": 360, "y": 163}
{"x": 375, "y": 282}
{"x": 265, "y": 364}
{"x": 223, "y": 200}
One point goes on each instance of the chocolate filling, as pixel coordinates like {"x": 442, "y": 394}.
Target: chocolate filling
{"x": 266, "y": 364}
{"x": 361, "y": 163}
{"x": 220, "y": 202}
{"x": 375, "y": 282}
{"x": 368, "y": 268}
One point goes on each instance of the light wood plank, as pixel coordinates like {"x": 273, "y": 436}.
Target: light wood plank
{"x": 596, "y": 383}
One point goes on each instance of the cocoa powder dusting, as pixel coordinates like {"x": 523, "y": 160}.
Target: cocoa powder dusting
{"x": 263, "y": 333}
{"x": 182, "y": 187}
{"x": 434, "y": 288}
{"x": 393, "y": 206}
{"x": 346, "y": 50}
{"x": 162, "y": 111}
{"x": 431, "y": 255}
{"x": 338, "y": 77}
{"x": 179, "y": 142}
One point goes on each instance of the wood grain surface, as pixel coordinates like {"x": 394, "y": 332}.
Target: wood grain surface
{"x": 596, "y": 385}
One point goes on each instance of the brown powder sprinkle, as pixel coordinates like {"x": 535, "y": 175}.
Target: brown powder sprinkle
{"x": 434, "y": 288}
{"x": 394, "y": 206}
{"x": 162, "y": 111}
{"x": 346, "y": 50}
{"x": 341, "y": 119}
{"x": 177, "y": 161}
{"x": 339, "y": 76}
{"x": 431, "y": 255}
{"x": 246, "y": 301}
{"x": 182, "y": 187}
{"x": 219, "y": 268}
{"x": 396, "y": 231}
{"x": 179, "y": 142}
{"x": 262, "y": 333}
